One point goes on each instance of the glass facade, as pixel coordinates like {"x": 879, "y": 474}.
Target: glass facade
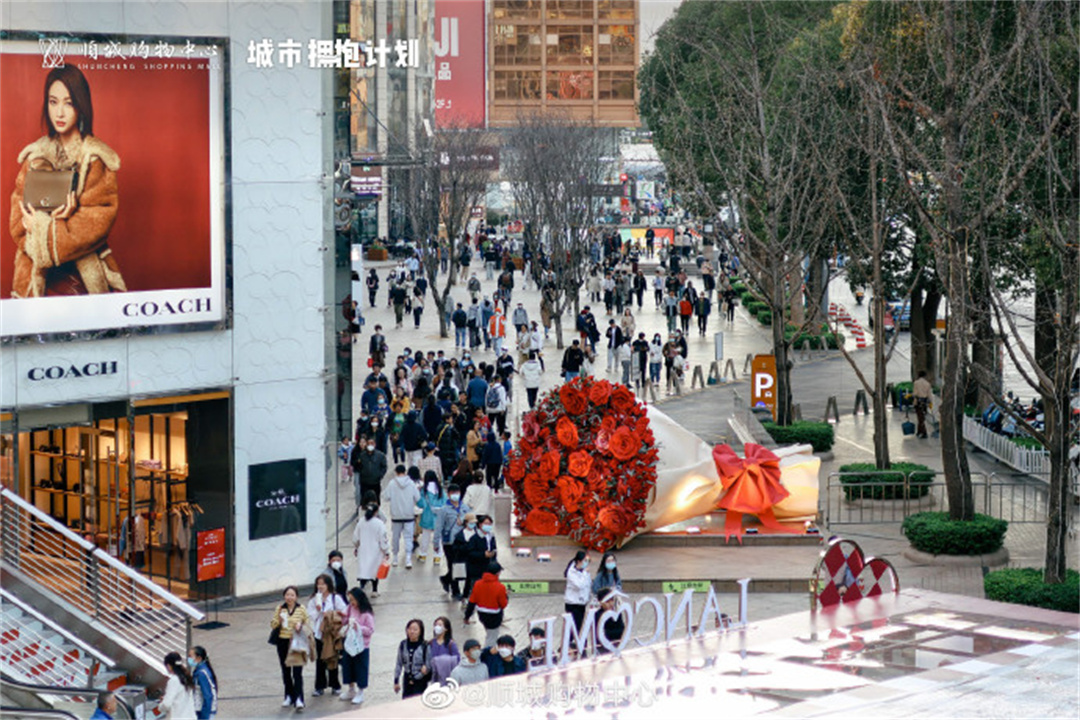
{"x": 581, "y": 55}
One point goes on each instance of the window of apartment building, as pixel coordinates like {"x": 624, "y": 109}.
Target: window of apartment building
{"x": 616, "y": 9}
{"x": 516, "y": 9}
{"x": 516, "y": 84}
{"x": 616, "y": 85}
{"x": 517, "y": 45}
{"x": 569, "y": 9}
{"x": 615, "y": 44}
{"x": 570, "y": 85}
{"x": 569, "y": 45}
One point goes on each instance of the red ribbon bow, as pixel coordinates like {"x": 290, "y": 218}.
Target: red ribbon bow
{"x": 752, "y": 486}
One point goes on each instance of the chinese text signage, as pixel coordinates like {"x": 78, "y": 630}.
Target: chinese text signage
{"x": 210, "y": 554}
{"x": 460, "y": 79}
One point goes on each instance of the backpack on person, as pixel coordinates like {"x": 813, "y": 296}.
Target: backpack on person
{"x": 491, "y": 400}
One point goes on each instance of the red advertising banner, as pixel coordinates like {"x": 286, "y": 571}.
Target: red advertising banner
{"x": 460, "y": 74}
{"x": 210, "y": 554}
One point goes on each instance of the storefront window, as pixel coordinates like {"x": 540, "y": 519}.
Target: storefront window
{"x": 615, "y": 44}
{"x": 517, "y": 45}
{"x": 569, "y": 9}
{"x": 616, "y": 85}
{"x": 570, "y": 85}
{"x": 517, "y": 84}
{"x": 570, "y": 45}
{"x": 616, "y": 9}
{"x": 516, "y": 9}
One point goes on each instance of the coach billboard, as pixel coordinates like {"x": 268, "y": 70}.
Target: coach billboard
{"x": 112, "y": 183}
{"x": 460, "y": 76}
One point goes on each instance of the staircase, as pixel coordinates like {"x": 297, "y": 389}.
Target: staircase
{"x": 72, "y": 616}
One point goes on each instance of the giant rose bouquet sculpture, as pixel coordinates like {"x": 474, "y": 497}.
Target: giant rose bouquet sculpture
{"x": 585, "y": 465}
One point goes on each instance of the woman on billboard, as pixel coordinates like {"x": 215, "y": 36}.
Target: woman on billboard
{"x": 65, "y": 199}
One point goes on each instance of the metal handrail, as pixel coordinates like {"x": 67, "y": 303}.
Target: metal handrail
{"x": 58, "y": 690}
{"x": 58, "y": 629}
{"x": 17, "y": 712}
{"x": 143, "y": 616}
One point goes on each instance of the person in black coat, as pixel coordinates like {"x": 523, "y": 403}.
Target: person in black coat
{"x": 413, "y": 437}
{"x": 479, "y": 551}
{"x": 335, "y": 569}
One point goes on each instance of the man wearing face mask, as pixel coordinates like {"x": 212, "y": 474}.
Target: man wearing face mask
{"x": 480, "y": 552}
{"x": 534, "y": 653}
{"x": 501, "y": 660}
{"x": 470, "y": 670}
{"x": 369, "y": 468}
{"x": 335, "y": 570}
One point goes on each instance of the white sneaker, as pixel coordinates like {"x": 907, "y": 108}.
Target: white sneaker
{"x": 359, "y": 698}
{"x": 393, "y": 563}
{"x": 286, "y": 703}
{"x": 408, "y": 564}
{"x": 299, "y": 704}
{"x": 345, "y": 696}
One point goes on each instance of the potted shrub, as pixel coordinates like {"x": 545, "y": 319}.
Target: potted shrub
{"x": 377, "y": 251}
{"x": 935, "y": 538}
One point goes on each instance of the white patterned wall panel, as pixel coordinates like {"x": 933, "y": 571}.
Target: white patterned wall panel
{"x": 75, "y": 17}
{"x": 279, "y": 421}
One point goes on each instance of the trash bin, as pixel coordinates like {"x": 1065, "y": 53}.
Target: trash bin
{"x": 134, "y": 696}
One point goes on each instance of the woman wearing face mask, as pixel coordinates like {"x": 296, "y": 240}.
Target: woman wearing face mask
{"x": 360, "y": 620}
{"x": 656, "y": 358}
{"x": 578, "y": 587}
{"x": 431, "y": 500}
{"x": 206, "y": 692}
{"x": 607, "y": 575}
{"x": 412, "y": 669}
{"x": 448, "y": 521}
{"x": 289, "y": 617}
{"x": 179, "y": 700}
{"x": 444, "y": 651}
{"x": 325, "y": 610}
{"x": 470, "y": 670}
{"x": 370, "y": 546}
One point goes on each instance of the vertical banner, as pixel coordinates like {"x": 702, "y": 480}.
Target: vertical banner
{"x": 210, "y": 554}
{"x": 460, "y": 74}
{"x": 763, "y": 382}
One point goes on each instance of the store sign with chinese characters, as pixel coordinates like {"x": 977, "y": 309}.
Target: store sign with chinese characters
{"x": 210, "y": 554}
{"x": 366, "y": 180}
{"x": 340, "y": 53}
{"x": 460, "y": 78}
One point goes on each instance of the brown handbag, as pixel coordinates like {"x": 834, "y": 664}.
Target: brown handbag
{"x": 46, "y": 190}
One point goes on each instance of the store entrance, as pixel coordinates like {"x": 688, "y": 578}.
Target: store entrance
{"x": 126, "y": 483}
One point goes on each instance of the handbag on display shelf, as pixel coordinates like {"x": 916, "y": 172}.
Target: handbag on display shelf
{"x": 46, "y": 190}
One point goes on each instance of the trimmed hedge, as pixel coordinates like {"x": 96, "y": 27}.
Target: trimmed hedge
{"x": 1025, "y": 586}
{"x": 746, "y": 298}
{"x": 935, "y": 533}
{"x": 1028, "y": 443}
{"x": 764, "y": 316}
{"x": 870, "y": 486}
{"x": 755, "y": 306}
{"x": 738, "y": 287}
{"x": 804, "y": 432}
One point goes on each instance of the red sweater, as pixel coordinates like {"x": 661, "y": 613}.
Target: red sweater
{"x": 488, "y": 593}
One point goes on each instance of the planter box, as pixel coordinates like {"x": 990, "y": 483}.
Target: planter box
{"x": 376, "y": 254}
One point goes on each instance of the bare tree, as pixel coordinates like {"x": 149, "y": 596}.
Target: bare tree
{"x": 448, "y": 180}
{"x": 555, "y": 164}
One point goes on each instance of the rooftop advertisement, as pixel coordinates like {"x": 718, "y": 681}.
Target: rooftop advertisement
{"x": 112, "y": 183}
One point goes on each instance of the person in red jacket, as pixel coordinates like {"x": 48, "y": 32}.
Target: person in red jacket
{"x": 489, "y": 598}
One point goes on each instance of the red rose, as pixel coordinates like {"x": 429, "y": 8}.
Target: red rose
{"x": 608, "y": 423}
{"x": 603, "y": 437}
{"x": 530, "y": 427}
{"x": 549, "y": 466}
{"x": 580, "y": 463}
{"x": 616, "y": 519}
{"x": 622, "y": 400}
{"x": 573, "y": 399}
{"x": 537, "y": 490}
{"x": 542, "y": 522}
{"x": 570, "y": 493}
{"x": 516, "y": 469}
{"x": 597, "y": 480}
{"x": 600, "y": 392}
{"x": 623, "y": 444}
{"x": 567, "y": 432}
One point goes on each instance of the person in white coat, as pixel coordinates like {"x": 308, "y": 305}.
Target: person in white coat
{"x": 532, "y": 373}
{"x": 179, "y": 700}
{"x": 578, "y": 587}
{"x": 370, "y": 546}
{"x": 401, "y": 494}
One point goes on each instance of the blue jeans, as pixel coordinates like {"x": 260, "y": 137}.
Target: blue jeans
{"x": 567, "y": 377}
{"x": 461, "y": 337}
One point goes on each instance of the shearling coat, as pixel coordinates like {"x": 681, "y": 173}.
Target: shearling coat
{"x": 81, "y": 239}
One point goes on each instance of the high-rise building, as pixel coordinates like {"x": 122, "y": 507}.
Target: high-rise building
{"x": 574, "y": 57}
